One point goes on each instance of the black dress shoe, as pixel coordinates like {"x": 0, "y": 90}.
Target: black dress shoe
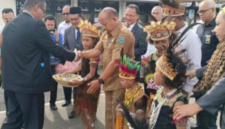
{"x": 53, "y": 107}
{"x": 72, "y": 115}
{"x": 66, "y": 103}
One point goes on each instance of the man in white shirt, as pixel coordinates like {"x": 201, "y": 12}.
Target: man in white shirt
{"x": 66, "y": 23}
{"x": 7, "y": 15}
{"x": 191, "y": 42}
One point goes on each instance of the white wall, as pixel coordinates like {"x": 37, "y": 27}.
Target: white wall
{"x": 74, "y": 3}
{"x": 6, "y": 4}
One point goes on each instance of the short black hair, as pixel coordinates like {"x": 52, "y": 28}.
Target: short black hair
{"x": 7, "y": 10}
{"x": 134, "y": 6}
{"x": 31, "y": 3}
{"x": 51, "y": 18}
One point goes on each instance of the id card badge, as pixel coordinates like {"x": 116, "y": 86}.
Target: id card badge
{"x": 207, "y": 39}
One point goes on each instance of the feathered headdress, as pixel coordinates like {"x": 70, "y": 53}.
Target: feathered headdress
{"x": 135, "y": 123}
{"x": 128, "y": 67}
{"x": 173, "y": 8}
{"x": 160, "y": 30}
{"x": 87, "y": 29}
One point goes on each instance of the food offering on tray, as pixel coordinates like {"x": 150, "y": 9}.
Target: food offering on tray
{"x": 66, "y": 79}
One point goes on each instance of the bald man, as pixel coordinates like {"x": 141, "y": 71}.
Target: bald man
{"x": 115, "y": 38}
{"x": 157, "y": 12}
{"x": 207, "y": 13}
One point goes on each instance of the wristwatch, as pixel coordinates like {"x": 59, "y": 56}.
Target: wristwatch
{"x": 101, "y": 81}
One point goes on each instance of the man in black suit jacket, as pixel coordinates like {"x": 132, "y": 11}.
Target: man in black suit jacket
{"x": 131, "y": 18}
{"x": 26, "y": 69}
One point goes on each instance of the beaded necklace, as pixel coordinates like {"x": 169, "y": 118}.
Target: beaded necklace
{"x": 129, "y": 96}
{"x": 155, "y": 110}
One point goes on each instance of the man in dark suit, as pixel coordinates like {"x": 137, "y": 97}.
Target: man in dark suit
{"x": 26, "y": 69}
{"x": 132, "y": 15}
{"x": 72, "y": 41}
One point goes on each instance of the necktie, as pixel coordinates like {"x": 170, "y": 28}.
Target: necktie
{"x": 128, "y": 26}
{"x": 78, "y": 38}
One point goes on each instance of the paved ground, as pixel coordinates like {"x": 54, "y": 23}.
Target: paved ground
{"x": 59, "y": 120}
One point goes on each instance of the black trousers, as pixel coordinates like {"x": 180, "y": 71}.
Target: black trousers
{"x": 53, "y": 93}
{"x": 205, "y": 120}
{"x": 67, "y": 93}
{"x": 27, "y": 109}
{"x": 6, "y": 101}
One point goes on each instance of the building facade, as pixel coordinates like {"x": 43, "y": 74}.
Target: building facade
{"x": 90, "y": 8}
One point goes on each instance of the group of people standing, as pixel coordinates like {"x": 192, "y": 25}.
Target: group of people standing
{"x": 33, "y": 50}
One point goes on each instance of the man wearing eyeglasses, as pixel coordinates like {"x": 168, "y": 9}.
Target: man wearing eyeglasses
{"x": 72, "y": 41}
{"x": 26, "y": 72}
{"x": 66, "y": 23}
{"x": 131, "y": 18}
{"x": 207, "y": 13}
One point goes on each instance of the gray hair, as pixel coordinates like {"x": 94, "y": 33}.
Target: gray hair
{"x": 158, "y": 7}
{"x": 31, "y": 3}
{"x": 65, "y": 6}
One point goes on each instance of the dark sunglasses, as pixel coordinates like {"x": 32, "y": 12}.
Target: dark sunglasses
{"x": 65, "y": 14}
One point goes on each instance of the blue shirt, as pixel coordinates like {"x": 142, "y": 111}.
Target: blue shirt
{"x": 54, "y": 60}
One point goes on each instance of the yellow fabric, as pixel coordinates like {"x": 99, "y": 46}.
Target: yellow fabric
{"x": 165, "y": 67}
{"x": 223, "y": 10}
{"x": 87, "y": 29}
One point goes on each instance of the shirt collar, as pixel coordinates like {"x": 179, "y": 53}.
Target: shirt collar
{"x": 25, "y": 11}
{"x": 183, "y": 28}
{"x": 114, "y": 32}
{"x": 212, "y": 23}
{"x": 131, "y": 26}
{"x": 64, "y": 22}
